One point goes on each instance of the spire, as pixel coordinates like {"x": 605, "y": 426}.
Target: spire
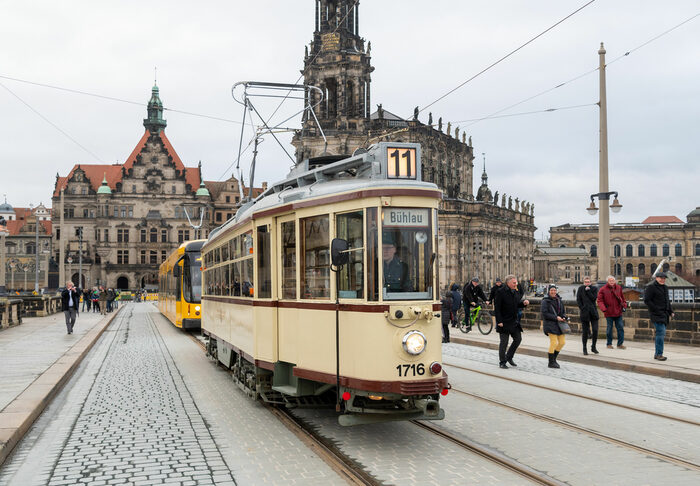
{"x": 155, "y": 122}
{"x": 484, "y": 193}
{"x": 104, "y": 188}
{"x": 484, "y": 177}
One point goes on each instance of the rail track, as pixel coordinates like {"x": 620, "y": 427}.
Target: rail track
{"x": 571, "y": 426}
{"x": 577, "y": 395}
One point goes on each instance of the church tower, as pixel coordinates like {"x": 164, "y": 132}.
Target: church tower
{"x": 338, "y": 63}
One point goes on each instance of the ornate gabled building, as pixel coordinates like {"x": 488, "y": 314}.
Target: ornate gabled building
{"x": 130, "y": 215}
{"x": 478, "y": 237}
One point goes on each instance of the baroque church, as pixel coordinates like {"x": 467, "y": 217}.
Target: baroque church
{"x": 486, "y": 235}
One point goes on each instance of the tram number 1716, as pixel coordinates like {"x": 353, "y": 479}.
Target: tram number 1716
{"x": 411, "y": 369}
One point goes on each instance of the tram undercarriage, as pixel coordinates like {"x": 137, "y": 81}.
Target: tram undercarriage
{"x": 281, "y": 388}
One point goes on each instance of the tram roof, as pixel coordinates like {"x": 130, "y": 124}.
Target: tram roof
{"x": 365, "y": 171}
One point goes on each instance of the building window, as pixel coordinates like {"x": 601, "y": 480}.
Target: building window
{"x": 163, "y": 235}
{"x": 107, "y": 235}
{"x": 228, "y": 199}
{"x": 31, "y": 249}
{"x": 153, "y": 235}
{"x": 628, "y": 250}
{"x": 172, "y": 189}
{"x": 665, "y": 250}
{"x": 116, "y": 212}
{"x": 640, "y": 250}
{"x": 143, "y": 236}
{"x": 653, "y": 267}
{"x": 97, "y": 235}
{"x": 122, "y": 236}
{"x": 641, "y": 269}
{"x": 133, "y": 188}
{"x": 69, "y": 213}
{"x": 86, "y": 213}
{"x": 83, "y": 190}
{"x": 629, "y": 269}
{"x": 123, "y": 211}
{"x": 618, "y": 269}
{"x": 697, "y": 249}
{"x": 594, "y": 251}
{"x": 123, "y": 257}
{"x": 567, "y": 272}
{"x": 131, "y": 212}
{"x": 616, "y": 251}
{"x": 143, "y": 257}
{"x": 163, "y": 255}
{"x": 679, "y": 249}
{"x": 679, "y": 268}
{"x": 652, "y": 250}
{"x": 153, "y": 257}
{"x": 218, "y": 217}
{"x": 183, "y": 235}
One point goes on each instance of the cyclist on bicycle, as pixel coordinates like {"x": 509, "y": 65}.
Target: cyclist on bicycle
{"x": 471, "y": 295}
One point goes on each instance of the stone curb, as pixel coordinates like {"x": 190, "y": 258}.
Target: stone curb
{"x": 611, "y": 363}
{"x": 19, "y": 415}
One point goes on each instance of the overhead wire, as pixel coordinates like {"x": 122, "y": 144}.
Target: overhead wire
{"x": 506, "y": 56}
{"x": 52, "y": 123}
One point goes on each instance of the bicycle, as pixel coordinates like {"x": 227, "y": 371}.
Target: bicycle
{"x": 477, "y": 315}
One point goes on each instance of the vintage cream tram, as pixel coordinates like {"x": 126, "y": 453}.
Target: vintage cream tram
{"x": 323, "y": 290}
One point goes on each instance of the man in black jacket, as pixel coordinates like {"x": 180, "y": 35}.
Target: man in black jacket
{"x": 508, "y": 301}
{"x": 70, "y": 300}
{"x": 659, "y": 304}
{"x": 496, "y": 287}
{"x": 586, "y": 296}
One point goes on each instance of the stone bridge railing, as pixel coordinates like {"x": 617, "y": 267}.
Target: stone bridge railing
{"x": 684, "y": 328}
{"x": 41, "y": 305}
{"x": 10, "y": 312}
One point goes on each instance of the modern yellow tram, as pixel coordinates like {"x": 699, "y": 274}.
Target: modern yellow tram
{"x": 180, "y": 285}
{"x": 323, "y": 291}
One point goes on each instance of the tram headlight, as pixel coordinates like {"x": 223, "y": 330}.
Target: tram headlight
{"x": 414, "y": 342}
{"x": 196, "y": 307}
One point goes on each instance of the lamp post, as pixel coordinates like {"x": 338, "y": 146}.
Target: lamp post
{"x": 3, "y": 234}
{"x": 70, "y": 270}
{"x": 80, "y": 257}
{"x": 36, "y": 252}
{"x": 604, "y": 194}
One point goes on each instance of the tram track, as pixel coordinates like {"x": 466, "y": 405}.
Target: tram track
{"x": 577, "y": 395}
{"x": 491, "y": 455}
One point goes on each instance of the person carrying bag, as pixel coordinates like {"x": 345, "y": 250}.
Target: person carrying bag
{"x": 554, "y": 324}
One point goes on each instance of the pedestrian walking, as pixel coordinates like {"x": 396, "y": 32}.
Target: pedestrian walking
{"x": 446, "y": 316}
{"x": 70, "y": 301}
{"x": 553, "y": 312}
{"x": 456, "y": 304}
{"x": 613, "y": 304}
{"x": 102, "y": 298}
{"x": 660, "y": 311}
{"x": 87, "y": 299}
{"x": 110, "y": 299}
{"x": 586, "y": 296}
{"x": 498, "y": 285}
{"x": 508, "y": 301}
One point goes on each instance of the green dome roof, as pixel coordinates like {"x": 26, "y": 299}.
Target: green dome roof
{"x": 104, "y": 188}
{"x": 202, "y": 191}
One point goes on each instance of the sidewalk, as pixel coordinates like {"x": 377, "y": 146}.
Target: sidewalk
{"x": 683, "y": 361}
{"x": 36, "y": 359}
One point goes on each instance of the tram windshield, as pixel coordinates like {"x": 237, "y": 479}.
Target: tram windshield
{"x": 192, "y": 277}
{"x": 406, "y": 253}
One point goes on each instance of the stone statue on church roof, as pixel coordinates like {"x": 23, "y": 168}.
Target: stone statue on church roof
{"x": 470, "y": 140}
{"x": 464, "y": 137}
{"x": 369, "y": 48}
{"x": 517, "y": 205}
{"x": 510, "y": 202}
{"x": 532, "y": 210}
{"x": 457, "y": 133}
{"x": 415, "y": 113}
{"x": 430, "y": 118}
{"x": 449, "y": 127}
{"x": 440, "y": 123}
{"x": 495, "y": 198}
{"x": 503, "y": 200}
{"x": 380, "y": 111}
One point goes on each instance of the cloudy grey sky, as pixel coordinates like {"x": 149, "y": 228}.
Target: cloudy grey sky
{"x": 420, "y": 50}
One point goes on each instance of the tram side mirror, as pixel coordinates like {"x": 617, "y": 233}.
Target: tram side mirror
{"x": 339, "y": 255}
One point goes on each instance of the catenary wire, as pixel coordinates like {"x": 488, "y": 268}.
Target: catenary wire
{"x": 506, "y": 56}
{"x": 52, "y": 123}
{"x": 546, "y": 110}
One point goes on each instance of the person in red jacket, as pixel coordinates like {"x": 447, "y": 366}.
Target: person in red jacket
{"x": 613, "y": 304}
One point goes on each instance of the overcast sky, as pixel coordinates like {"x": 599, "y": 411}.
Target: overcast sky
{"x": 420, "y": 50}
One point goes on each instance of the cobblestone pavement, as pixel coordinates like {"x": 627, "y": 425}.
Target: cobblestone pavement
{"x": 686, "y": 393}
{"x": 130, "y": 416}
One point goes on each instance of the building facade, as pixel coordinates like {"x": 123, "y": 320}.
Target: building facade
{"x": 638, "y": 248}
{"x": 120, "y": 221}
{"x": 484, "y": 236}
{"x": 27, "y": 243}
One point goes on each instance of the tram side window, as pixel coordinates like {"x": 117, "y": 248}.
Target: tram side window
{"x": 315, "y": 258}
{"x": 247, "y": 278}
{"x": 351, "y": 278}
{"x": 224, "y": 253}
{"x": 264, "y": 264}
{"x": 372, "y": 257}
{"x": 289, "y": 261}
{"x": 237, "y": 279}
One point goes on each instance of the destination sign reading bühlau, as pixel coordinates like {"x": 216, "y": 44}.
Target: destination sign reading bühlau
{"x": 406, "y": 217}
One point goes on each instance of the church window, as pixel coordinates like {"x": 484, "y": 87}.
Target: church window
{"x": 640, "y": 250}
{"x": 594, "y": 250}
{"x": 652, "y": 250}
{"x": 665, "y": 249}
{"x": 628, "y": 250}
{"x": 350, "y": 98}
{"x": 679, "y": 249}
{"x": 153, "y": 235}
